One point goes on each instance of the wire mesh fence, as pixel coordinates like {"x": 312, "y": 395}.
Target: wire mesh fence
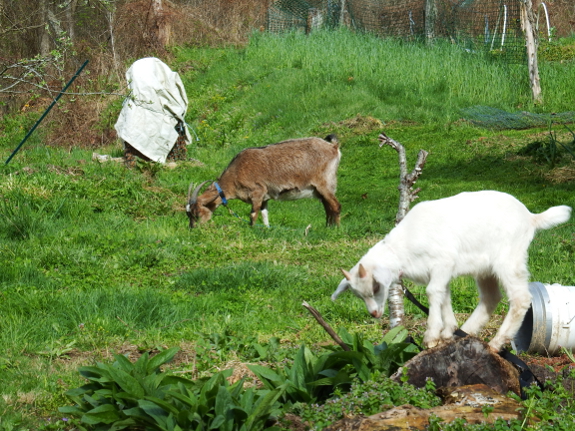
{"x": 492, "y": 25}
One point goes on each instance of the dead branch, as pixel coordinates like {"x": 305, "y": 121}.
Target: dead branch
{"x": 406, "y": 180}
{"x": 325, "y": 326}
{"x": 406, "y": 195}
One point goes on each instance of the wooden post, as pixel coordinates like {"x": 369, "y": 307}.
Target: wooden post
{"x": 527, "y": 20}
{"x": 406, "y": 195}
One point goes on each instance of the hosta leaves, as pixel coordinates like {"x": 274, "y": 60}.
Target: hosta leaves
{"x": 161, "y": 358}
{"x": 71, "y": 410}
{"x": 120, "y": 425}
{"x": 96, "y": 374}
{"x": 155, "y": 411}
{"x": 268, "y": 377}
{"x": 105, "y": 414}
{"x": 128, "y": 383}
{"x": 138, "y": 395}
{"x": 395, "y": 335}
{"x": 124, "y": 363}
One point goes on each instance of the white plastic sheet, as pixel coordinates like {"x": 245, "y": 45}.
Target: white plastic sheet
{"x": 157, "y": 103}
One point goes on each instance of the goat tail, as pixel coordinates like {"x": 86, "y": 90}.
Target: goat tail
{"x": 332, "y": 138}
{"x": 552, "y": 217}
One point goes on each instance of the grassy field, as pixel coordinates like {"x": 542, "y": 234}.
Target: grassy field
{"x": 98, "y": 259}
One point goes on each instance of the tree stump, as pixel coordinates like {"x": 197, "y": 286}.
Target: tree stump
{"x": 461, "y": 362}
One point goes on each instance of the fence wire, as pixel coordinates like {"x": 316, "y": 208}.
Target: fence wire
{"x": 491, "y": 25}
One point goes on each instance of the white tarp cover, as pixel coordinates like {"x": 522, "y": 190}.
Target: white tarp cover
{"x": 158, "y": 101}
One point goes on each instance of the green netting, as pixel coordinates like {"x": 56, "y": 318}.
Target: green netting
{"x": 493, "y": 118}
{"x": 492, "y": 25}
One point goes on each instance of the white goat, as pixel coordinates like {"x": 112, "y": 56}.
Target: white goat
{"x": 484, "y": 234}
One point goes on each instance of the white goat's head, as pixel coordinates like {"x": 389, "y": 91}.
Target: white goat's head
{"x": 371, "y": 285}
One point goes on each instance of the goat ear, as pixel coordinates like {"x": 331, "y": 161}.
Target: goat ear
{"x": 346, "y": 274}
{"x": 383, "y": 276}
{"x": 361, "y": 271}
{"x": 343, "y": 286}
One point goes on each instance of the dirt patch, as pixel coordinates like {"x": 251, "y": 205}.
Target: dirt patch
{"x": 560, "y": 175}
{"x": 358, "y": 125}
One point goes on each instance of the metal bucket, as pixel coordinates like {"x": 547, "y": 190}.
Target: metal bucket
{"x": 550, "y": 321}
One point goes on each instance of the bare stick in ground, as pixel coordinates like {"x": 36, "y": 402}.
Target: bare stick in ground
{"x": 406, "y": 195}
{"x": 325, "y": 326}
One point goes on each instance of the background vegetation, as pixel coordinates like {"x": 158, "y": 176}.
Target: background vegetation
{"x": 97, "y": 259}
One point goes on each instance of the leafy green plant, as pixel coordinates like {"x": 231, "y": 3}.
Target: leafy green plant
{"x": 311, "y": 378}
{"x": 367, "y": 398}
{"x": 138, "y": 395}
{"x": 385, "y": 357}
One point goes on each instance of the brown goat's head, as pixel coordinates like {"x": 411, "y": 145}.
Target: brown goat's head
{"x": 196, "y": 211}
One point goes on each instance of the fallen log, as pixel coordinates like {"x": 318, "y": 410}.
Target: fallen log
{"x": 475, "y": 403}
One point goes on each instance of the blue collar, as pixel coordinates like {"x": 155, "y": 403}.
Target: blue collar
{"x": 221, "y": 193}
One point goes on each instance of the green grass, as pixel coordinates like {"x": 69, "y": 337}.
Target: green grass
{"x": 95, "y": 257}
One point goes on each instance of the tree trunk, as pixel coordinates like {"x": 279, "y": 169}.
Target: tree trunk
{"x": 406, "y": 195}
{"x": 161, "y": 24}
{"x": 527, "y": 21}
{"x": 70, "y": 13}
{"x": 44, "y": 37}
{"x": 430, "y": 18}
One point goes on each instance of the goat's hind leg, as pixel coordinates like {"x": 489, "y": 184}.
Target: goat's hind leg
{"x": 489, "y": 297}
{"x": 331, "y": 205}
{"x": 517, "y": 289}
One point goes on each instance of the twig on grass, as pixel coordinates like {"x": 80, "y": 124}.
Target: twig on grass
{"x": 325, "y": 326}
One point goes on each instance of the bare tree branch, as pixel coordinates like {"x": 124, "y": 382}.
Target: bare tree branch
{"x": 406, "y": 180}
{"x": 406, "y": 195}
{"x": 325, "y": 326}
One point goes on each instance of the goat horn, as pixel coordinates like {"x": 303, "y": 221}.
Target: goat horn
{"x": 193, "y": 197}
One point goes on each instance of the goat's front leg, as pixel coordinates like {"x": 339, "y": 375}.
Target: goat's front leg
{"x": 254, "y": 213}
{"x": 489, "y": 297}
{"x": 257, "y": 201}
{"x": 265, "y": 216}
{"x": 449, "y": 320}
{"x": 437, "y": 295}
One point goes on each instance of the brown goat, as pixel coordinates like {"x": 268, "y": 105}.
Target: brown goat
{"x": 288, "y": 170}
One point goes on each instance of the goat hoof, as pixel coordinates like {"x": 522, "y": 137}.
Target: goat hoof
{"x": 494, "y": 347}
{"x": 432, "y": 344}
